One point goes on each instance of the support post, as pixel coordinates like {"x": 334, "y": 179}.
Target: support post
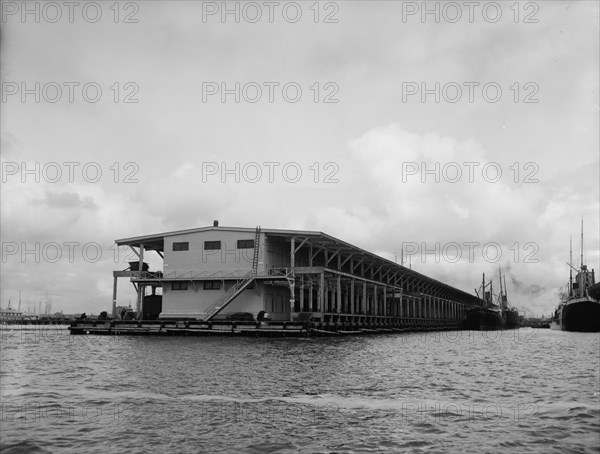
{"x": 338, "y": 299}
{"x": 302, "y": 293}
{"x": 375, "y": 308}
{"x": 352, "y": 296}
{"x": 322, "y": 293}
{"x": 363, "y": 303}
{"x": 385, "y": 309}
{"x": 114, "y": 301}
{"x": 141, "y": 287}
{"x": 292, "y": 277}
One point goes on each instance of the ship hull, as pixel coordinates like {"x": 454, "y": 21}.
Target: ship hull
{"x": 581, "y": 316}
{"x": 512, "y": 319}
{"x": 484, "y": 319}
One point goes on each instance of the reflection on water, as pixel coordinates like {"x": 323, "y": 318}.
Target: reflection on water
{"x": 520, "y": 391}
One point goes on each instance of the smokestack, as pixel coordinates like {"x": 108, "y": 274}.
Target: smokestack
{"x": 215, "y": 223}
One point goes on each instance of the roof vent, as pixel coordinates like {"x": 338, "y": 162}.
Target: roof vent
{"x": 215, "y": 223}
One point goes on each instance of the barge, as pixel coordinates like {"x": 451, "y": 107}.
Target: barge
{"x": 257, "y": 329}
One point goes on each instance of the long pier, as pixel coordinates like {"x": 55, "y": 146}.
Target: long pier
{"x": 218, "y": 280}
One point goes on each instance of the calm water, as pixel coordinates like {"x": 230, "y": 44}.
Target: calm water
{"x": 525, "y": 391}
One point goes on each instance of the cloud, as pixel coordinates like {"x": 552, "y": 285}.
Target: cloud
{"x": 65, "y": 200}
{"x": 368, "y": 134}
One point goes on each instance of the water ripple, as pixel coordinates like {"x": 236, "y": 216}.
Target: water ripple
{"x": 524, "y": 391}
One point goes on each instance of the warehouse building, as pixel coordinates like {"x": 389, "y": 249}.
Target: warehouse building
{"x": 215, "y": 272}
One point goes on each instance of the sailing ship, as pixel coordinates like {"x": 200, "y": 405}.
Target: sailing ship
{"x": 487, "y": 316}
{"x": 510, "y": 314}
{"x": 579, "y": 308}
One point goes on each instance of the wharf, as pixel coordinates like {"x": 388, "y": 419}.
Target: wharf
{"x": 253, "y": 329}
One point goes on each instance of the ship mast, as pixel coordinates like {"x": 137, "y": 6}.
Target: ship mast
{"x": 500, "y": 273}
{"x": 570, "y": 266}
{"x": 581, "y": 243}
{"x": 483, "y": 290}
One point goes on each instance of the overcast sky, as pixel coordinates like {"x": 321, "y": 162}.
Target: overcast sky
{"x": 517, "y": 92}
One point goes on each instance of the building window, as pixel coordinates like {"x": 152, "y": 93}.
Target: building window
{"x": 212, "y": 285}
{"x": 179, "y": 285}
{"x": 212, "y": 245}
{"x": 182, "y": 246}
{"x": 245, "y": 244}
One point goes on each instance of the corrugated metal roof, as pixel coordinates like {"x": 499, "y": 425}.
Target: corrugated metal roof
{"x": 157, "y": 236}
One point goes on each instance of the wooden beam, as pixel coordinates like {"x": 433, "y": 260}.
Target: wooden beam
{"x": 357, "y": 264}
{"x": 330, "y": 258}
{"x": 317, "y": 253}
{"x": 300, "y": 245}
{"x": 345, "y": 261}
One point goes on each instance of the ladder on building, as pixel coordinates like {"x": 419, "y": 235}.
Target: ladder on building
{"x": 256, "y": 249}
{"x": 224, "y": 300}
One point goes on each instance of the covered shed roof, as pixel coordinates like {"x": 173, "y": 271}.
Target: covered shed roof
{"x": 306, "y": 237}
